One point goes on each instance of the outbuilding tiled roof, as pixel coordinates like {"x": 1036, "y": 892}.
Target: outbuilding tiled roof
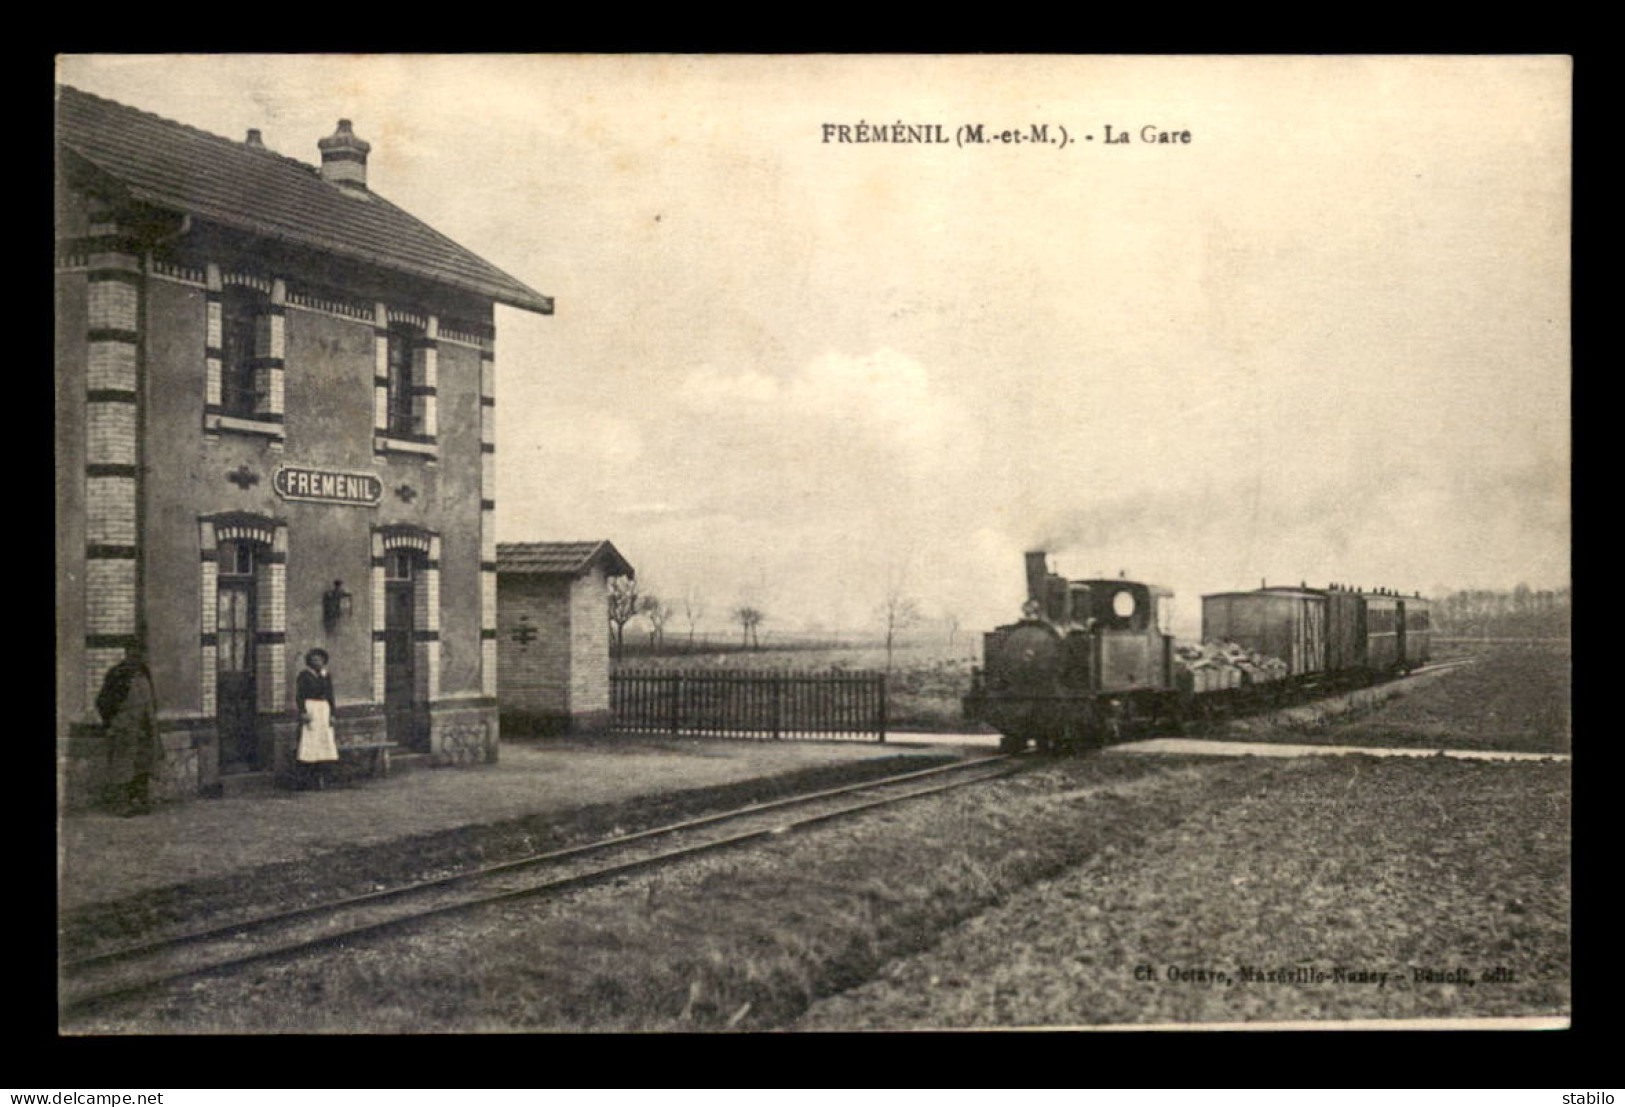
{"x": 561, "y": 558}
{"x": 171, "y": 165}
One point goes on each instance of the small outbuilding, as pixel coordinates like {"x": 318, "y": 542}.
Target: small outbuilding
{"x": 553, "y": 634}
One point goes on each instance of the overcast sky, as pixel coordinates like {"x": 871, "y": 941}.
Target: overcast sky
{"x": 1325, "y": 340}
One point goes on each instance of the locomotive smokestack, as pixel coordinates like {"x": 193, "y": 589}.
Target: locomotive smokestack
{"x": 1037, "y": 573}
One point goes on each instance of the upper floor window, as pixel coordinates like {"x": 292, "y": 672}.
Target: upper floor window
{"x": 405, "y": 406}
{"x": 242, "y": 309}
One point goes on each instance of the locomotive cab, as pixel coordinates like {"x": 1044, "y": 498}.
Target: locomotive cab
{"x": 1117, "y": 604}
{"x": 1129, "y": 624}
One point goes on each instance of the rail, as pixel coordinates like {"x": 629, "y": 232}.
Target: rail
{"x": 116, "y": 975}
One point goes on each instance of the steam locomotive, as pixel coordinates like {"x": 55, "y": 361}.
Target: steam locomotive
{"x": 1094, "y": 661}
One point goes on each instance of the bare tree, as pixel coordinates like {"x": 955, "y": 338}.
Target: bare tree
{"x": 898, "y": 610}
{"x": 755, "y": 598}
{"x": 657, "y": 611}
{"x": 623, "y": 608}
{"x": 1521, "y": 603}
{"x": 693, "y": 609}
{"x": 749, "y": 618}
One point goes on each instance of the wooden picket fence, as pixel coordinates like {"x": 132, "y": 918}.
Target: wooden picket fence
{"x": 755, "y": 704}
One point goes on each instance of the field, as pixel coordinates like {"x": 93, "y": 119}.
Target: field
{"x": 1513, "y": 697}
{"x": 1345, "y": 888}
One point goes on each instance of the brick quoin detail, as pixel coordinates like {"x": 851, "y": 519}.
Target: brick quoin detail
{"x": 377, "y": 617}
{"x": 426, "y": 617}
{"x": 273, "y": 656}
{"x": 380, "y": 372}
{"x": 426, "y": 372}
{"x": 112, "y": 479}
{"x": 490, "y": 651}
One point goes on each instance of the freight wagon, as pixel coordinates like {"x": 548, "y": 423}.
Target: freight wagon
{"x": 1331, "y": 631}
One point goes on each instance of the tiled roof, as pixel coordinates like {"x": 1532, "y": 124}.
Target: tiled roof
{"x": 567, "y": 558}
{"x": 174, "y": 166}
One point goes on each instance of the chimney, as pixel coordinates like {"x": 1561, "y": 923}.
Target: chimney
{"x": 344, "y": 158}
{"x": 1037, "y": 572}
{"x": 254, "y": 140}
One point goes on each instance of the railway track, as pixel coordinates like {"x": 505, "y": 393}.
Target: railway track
{"x": 105, "y": 978}
{"x": 1454, "y": 663}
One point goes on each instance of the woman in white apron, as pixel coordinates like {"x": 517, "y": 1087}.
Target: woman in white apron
{"x": 314, "y": 696}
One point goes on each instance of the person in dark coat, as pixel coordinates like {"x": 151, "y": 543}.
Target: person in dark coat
{"x": 128, "y": 706}
{"x": 313, "y": 694}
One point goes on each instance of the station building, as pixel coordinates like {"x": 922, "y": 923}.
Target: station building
{"x": 274, "y": 432}
{"x": 553, "y": 634}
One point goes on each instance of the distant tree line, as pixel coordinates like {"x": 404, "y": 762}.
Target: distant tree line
{"x": 898, "y": 613}
{"x": 627, "y": 602}
{"x": 1521, "y": 613}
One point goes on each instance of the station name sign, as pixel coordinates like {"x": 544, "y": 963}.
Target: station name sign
{"x": 328, "y": 486}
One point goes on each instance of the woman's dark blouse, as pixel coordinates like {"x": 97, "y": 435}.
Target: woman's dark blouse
{"x": 309, "y": 686}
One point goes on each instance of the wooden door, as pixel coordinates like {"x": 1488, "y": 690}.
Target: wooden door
{"x": 236, "y": 690}
{"x": 400, "y": 672}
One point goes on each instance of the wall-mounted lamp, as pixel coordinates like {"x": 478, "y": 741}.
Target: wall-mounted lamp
{"x": 336, "y": 603}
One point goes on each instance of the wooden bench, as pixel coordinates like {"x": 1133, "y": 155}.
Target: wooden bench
{"x": 377, "y": 748}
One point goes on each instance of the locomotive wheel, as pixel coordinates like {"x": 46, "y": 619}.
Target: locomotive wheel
{"x": 1187, "y": 713}
{"x": 1095, "y": 729}
{"x": 1115, "y": 724}
{"x": 1139, "y": 713}
{"x": 1209, "y": 715}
